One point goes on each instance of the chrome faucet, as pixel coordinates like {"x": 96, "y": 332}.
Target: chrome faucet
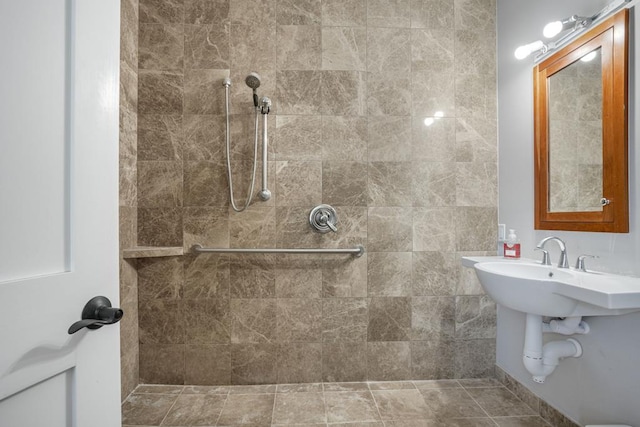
{"x": 563, "y": 263}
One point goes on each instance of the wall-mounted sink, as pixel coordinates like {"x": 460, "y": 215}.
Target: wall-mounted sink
{"x": 530, "y": 287}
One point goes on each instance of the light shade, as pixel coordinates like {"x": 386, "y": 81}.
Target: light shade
{"x": 552, "y": 29}
{"x": 527, "y": 49}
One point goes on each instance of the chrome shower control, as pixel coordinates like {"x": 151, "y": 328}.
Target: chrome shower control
{"x": 323, "y": 218}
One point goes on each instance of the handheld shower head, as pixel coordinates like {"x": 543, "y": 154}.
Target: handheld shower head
{"x": 253, "y": 81}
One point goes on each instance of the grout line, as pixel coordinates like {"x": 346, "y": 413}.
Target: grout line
{"x": 171, "y": 408}
{"x": 476, "y": 402}
{"x": 375, "y": 403}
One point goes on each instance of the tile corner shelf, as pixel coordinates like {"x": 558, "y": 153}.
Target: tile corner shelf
{"x": 151, "y": 252}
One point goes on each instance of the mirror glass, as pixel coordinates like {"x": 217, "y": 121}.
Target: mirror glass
{"x": 575, "y": 136}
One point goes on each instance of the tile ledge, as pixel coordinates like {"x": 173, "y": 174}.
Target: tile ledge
{"x": 151, "y": 252}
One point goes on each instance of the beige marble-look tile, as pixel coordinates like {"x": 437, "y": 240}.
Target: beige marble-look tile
{"x": 253, "y": 320}
{"x": 475, "y": 96}
{"x": 203, "y": 93}
{"x": 451, "y": 403}
{"x": 299, "y": 47}
{"x": 159, "y": 184}
{"x": 162, "y": 363}
{"x": 161, "y": 47}
{"x": 434, "y": 229}
{"x": 389, "y": 361}
{"x": 476, "y": 140}
{"x": 297, "y": 183}
{"x": 350, "y": 407}
{"x": 253, "y": 364}
{"x": 432, "y": 50}
{"x": 401, "y": 405}
{"x": 252, "y": 276}
{"x": 389, "y": 274}
{"x": 471, "y": 14}
{"x": 300, "y": 388}
{"x": 475, "y": 317}
{"x": 475, "y": 358}
{"x": 253, "y": 228}
{"x": 344, "y": 48}
{"x": 159, "y": 227}
{"x": 208, "y": 227}
{"x": 432, "y": 359}
{"x": 159, "y": 137}
{"x": 435, "y": 142}
{"x": 390, "y": 229}
{"x": 345, "y": 386}
{"x": 204, "y": 138}
{"x": 344, "y": 183}
{"x": 393, "y": 55}
{"x": 201, "y": 12}
{"x": 195, "y": 409}
{"x": 475, "y": 228}
{"x": 206, "y": 321}
{"x": 343, "y": 93}
{"x": 527, "y": 421}
{"x": 298, "y": 12}
{"x": 161, "y": 11}
{"x": 160, "y": 278}
{"x": 235, "y": 409}
{"x": 298, "y": 137}
{"x": 390, "y": 184}
{"x": 389, "y": 13}
{"x": 389, "y": 319}
{"x": 292, "y": 408}
{"x": 389, "y": 94}
{"x": 129, "y": 22}
{"x": 203, "y": 389}
{"x": 436, "y": 384}
{"x": 480, "y": 383}
{"x": 158, "y": 389}
{"x": 432, "y": 318}
{"x": 205, "y": 184}
{"x": 299, "y": 363}
{"x": 344, "y": 13}
{"x": 553, "y": 416}
{"x": 344, "y": 319}
{"x": 389, "y": 139}
{"x": 298, "y": 283}
{"x": 206, "y": 276}
{"x": 165, "y": 329}
{"x": 344, "y": 138}
{"x": 345, "y": 277}
{"x": 475, "y": 51}
{"x": 433, "y": 184}
{"x": 253, "y": 389}
{"x": 432, "y": 14}
{"x": 390, "y": 385}
{"x": 298, "y": 320}
{"x": 435, "y": 273}
{"x": 499, "y": 401}
{"x": 433, "y": 92}
{"x": 252, "y": 44}
{"x": 149, "y": 409}
{"x": 518, "y": 389}
{"x": 160, "y": 92}
{"x": 250, "y": 11}
{"x": 344, "y": 361}
{"x": 207, "y": 365}
{"x": 207, "y": 46}
{"x": 298, "y": 92}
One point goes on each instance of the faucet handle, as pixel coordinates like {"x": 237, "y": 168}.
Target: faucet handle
{"x": 545, "y": 255}
{"x": 580, "y": 262}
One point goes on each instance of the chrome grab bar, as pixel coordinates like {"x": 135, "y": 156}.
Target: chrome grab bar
{"x": 356, "y": 252}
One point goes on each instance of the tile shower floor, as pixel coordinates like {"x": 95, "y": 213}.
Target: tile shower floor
{"x": 473, "y": 402}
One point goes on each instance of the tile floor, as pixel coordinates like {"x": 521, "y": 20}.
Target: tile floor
{"x": 458, "y": 403}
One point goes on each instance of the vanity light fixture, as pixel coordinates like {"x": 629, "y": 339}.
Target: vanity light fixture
{"x": 527, "y": 49}
{"x": 572, "y": 23}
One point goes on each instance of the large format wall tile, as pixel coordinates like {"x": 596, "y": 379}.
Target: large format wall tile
{"x": 385, "y": 109}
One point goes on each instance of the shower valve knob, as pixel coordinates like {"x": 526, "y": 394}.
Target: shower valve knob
{"x": 323, "y": 218}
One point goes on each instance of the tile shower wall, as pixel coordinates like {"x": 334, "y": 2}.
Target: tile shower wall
{"x": 128, "y": 192}
{"x": 352, "y": 82}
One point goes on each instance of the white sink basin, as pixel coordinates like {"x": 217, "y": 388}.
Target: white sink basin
{"x": 530, "y": 287}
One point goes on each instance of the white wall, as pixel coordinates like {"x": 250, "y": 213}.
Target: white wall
{"x": 603, "y": 386}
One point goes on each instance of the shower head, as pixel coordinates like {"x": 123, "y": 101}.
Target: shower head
{"x": 253, "y": 81}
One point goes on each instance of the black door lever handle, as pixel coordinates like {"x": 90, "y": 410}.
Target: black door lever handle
{"x": 97, "y": 313}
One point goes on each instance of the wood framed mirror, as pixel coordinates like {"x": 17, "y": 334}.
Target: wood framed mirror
{"x": 580, "y": 132}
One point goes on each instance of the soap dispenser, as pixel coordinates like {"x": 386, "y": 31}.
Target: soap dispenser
{"x": 512, "y": 245}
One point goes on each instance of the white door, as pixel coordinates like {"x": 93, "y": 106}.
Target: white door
{"x": 58, "y": 211}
